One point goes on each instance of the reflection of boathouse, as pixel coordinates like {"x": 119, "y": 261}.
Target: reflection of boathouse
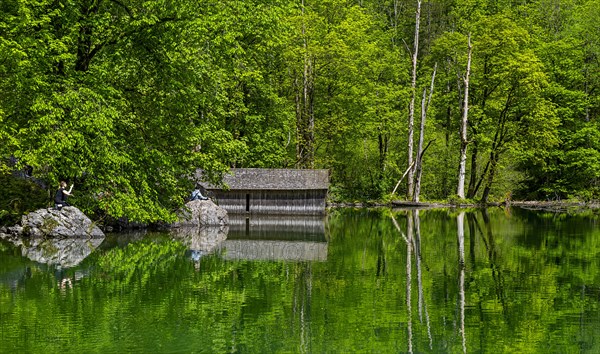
{"x": 273, "y": 191}
{"x": 289, "y": 238}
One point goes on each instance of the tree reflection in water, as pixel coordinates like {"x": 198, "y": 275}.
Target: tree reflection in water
{"x": 429, "y": 281}
{"x": 460, "y": 224}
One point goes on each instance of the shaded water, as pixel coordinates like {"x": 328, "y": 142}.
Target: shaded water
{"x": 357, "y": 281}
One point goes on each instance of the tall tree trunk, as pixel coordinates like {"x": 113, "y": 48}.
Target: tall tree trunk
{"x": 447, "y": 127}
{"x": 473, "y": 175}
{"x": 411, "y": 107}
{"x": 497, "y": 144}
{"x": 420, "y": 150}
{"x": 85, "y": 50}
{"x": 474, "y": 184}
{"x": 490, "y": 177}
{"x": 383, "y": 151}
{"x": 460, "y": 191}
{"x": 418, "y": 166}
{"x": 305, "y": 120}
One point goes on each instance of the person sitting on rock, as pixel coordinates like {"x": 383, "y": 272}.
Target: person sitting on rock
{"x": 197, "y": 194}
{"x": 60, "y": 199}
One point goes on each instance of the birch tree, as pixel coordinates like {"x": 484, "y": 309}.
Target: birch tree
{"x": 463, "y": 127}
{"x": 425, "y": 103}
{"x": 411, "y": 107}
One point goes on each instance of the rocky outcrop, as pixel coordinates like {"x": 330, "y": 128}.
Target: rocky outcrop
{"x": 202, "y": 227}
{"x": 55, "y": 237}
{"x": 69, "y": 222}
{"x": 201, "y": 213}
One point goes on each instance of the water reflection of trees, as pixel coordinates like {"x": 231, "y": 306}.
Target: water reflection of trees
{"x": 500, "y": 285}
{"x": 437, "y": 281}
{"x": 460, "y": 231}
{"x": 413, "y": 248}
{"x": 514, "y": 285}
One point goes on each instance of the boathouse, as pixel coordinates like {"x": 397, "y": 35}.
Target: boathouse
{"x": 272, "y": 191}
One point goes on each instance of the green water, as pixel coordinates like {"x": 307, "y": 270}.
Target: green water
{"x": 357, "y": 281}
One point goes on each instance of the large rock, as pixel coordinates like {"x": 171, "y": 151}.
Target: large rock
{"x": 69, "y": 222}
{"x": 201, "y": 213}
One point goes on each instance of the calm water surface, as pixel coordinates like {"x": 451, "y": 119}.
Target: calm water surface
{"x": 357, "y": 281}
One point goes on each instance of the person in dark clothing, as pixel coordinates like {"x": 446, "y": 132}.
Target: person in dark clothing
{"x": 60, "y": 199}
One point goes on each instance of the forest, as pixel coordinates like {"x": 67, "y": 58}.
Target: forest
{"x": 439, "y": 100}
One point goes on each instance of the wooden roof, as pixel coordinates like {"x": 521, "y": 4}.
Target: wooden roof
{"x": 273, "y": 179}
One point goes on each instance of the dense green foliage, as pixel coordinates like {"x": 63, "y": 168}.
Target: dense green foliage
{"x": 128, "y": 98}
{"x": 19, "y": 196}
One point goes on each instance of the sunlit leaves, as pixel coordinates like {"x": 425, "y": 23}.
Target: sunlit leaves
{"x": 129, "y": 98}
{"x": 107, "y": 95}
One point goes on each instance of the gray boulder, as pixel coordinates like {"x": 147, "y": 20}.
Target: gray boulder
{"x": 69, "y": 222}
{"x": 202, "y": 213}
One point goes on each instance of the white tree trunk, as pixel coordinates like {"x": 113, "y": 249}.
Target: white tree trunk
{"x": 460, "y": 190}
{"x": 420, "y": 150}
{"x": 411, "y": 107}
{"x": 418, "y": 165}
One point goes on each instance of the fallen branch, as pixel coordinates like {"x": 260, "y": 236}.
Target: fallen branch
{"x": 404, "y": 175}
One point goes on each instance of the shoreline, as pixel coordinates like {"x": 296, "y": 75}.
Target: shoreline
{"x": 552, "y": 206}
{"x": 549, "y": 206}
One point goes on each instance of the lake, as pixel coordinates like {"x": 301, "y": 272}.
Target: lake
{"x": 430, "y": 281}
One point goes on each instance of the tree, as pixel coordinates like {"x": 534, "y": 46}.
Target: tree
{"x": 460, "y": 191}
{"x": 411, "y": 106}
{"x": 511, "y": 111}
{"x": 569, "y": 52}
{"x": 110, "y": 95}
{"x": 425, "y": 104}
